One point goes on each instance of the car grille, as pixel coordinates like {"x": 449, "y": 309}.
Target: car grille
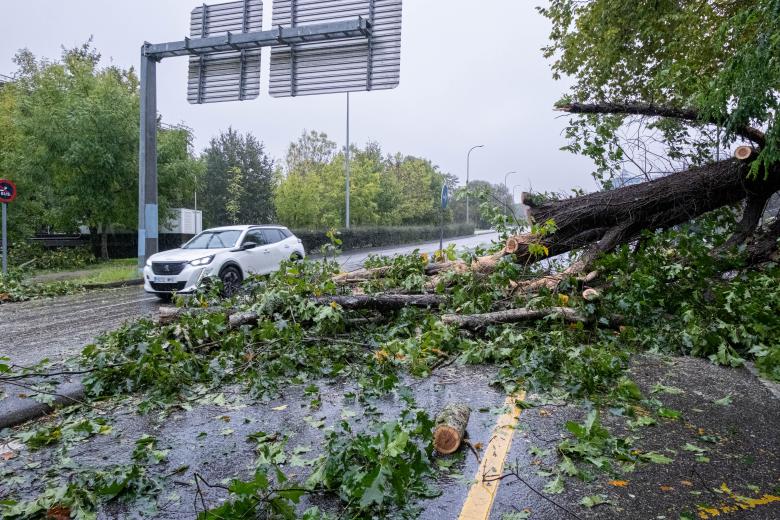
{"x": 168, "y": 287}
{"x": 167, "y": 268}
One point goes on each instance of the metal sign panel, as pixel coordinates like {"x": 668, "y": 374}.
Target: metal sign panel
{"x": 344, "y": 65}
{"x": 225, "y": 76}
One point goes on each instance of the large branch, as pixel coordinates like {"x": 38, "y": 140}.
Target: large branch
{"x": 764, "y": 246}
{"x": 751, "y": 216}
{"x": 648, "y": 109}
{"x": 381, "y": 302}
{"x": 476, "y": 321}
{"x": 375, "y": 302}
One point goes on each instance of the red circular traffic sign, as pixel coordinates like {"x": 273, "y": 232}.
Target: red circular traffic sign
{"x": 7, "y": 191}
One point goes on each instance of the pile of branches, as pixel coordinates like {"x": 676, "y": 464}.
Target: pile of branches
{"x": 592, "y": 224}
{"x": 599, "y": 222}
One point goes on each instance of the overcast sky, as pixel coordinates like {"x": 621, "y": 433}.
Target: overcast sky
{"x": 471, "y": 73}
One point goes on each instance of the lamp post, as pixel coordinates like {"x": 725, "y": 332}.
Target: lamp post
{"x": 506, "y": 177}
{"x": 468, "y": 167}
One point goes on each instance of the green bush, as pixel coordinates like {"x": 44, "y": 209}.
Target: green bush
{"x": 365, "y": 237}
{"x": 21, "y": 253}
{"x": 14, "y": 289}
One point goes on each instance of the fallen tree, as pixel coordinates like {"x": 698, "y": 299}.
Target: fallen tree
{"x": 598, "y": 222}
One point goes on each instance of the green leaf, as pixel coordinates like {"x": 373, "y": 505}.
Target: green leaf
{"x": 655, "y": 458}
{"x": 517, "y": 515}
{"x": 723, "y": 401}
{"x": 671, "y": 390}
{"x": 594, "y": 500}
{"x": 640, "y": 422}
{"x": 669, "y": 413}
{"x": 374, "y": 493}
{"x": 555, "y": 486}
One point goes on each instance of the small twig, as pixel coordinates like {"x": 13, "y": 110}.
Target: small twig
{"x": 37, "y": 391}
{"x": 473, "y": 450}
{"x": 515, "y": 473}
{"x": 63, "y": 373}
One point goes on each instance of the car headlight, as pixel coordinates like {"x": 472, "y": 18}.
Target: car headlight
{"x": 202, "y": 261}
{"x": 148, "y": 262}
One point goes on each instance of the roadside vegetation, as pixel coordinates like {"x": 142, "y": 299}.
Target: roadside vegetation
{"x": 288, "y": 329}
{"x": 662, "y": 92}
{"x": 36, "y": 272}
{"x": 84, "y": 174}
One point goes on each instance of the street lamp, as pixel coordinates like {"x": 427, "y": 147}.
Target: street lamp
{"x": 506, "y": 177}
{"x": 468, "y": 165}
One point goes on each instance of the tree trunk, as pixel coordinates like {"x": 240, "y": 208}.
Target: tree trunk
{"x": 94, "y": 241}
{"x": 103, "y": 232}
{"x": 606, "y": 219}
{"x": 450, "y": 427}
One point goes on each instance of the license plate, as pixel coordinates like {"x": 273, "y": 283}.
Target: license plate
{"x": 164, "y": 279}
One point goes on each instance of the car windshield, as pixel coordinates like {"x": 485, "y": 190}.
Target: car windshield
{"x": 213, "y": 240}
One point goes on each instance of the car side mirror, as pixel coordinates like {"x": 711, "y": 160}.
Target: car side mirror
{"x": 249, "y": 245}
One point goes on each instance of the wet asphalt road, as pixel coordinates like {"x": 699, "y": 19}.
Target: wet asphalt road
{"x": 739, "y": 439}
{"x": 57, "y": 328}
{"x": 211, "y": 439}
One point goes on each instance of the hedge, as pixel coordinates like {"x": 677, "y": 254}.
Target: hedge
{"x": 124, "y": 245}
{"x": 364, "y": 237}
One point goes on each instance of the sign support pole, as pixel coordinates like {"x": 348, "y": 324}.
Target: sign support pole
{"x": 147, "y": 161}
{"x": 445, "y": 199}
{"x": 5, "y": 238}
{"x": 346, "y": 163}
{"x": 441, "y": 230}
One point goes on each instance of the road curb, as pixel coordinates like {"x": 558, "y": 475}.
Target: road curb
{"x": 15, "y": 410}
{"x": 113, "y": 285}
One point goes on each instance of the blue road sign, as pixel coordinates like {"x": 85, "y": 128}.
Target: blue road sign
{"x": 445, "y": 196}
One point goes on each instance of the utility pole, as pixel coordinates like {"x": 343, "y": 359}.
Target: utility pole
{"x": 468, "y": 165}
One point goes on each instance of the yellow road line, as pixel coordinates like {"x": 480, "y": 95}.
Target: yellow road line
{"x": 480, "y": 499}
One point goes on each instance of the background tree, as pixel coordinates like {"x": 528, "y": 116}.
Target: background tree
{"x": 75, "y": 144}
{"x": 179, "y": 171}
{"x": 480, "y": 191}
{"x": 392, "y": 191}
{"x": 663, "y": 87}
{"x": 240, "y": 161}
{"x": 715, "y": 62}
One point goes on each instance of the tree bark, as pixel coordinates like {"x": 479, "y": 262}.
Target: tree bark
{"x": 450, "y": 427}
{"x": 381, "y": 302}
{"x": 620, "y": 215}
{"x": 477, "y": 321}
{"x": 751, "y": 216}
{"x": 361, "y": 275}
{"x": 764, "y": 246}
{"x": 103, "y": 232}
{"x": 376, "y": 302}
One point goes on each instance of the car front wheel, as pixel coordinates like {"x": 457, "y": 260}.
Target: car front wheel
{"x": 231, "y": 280}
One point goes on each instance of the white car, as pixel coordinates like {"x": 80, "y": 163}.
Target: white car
{"x": 229, "y": 253}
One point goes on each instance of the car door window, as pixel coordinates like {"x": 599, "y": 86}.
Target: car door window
{"x": 255, "y": 236}
{"x": 273, "y": 235}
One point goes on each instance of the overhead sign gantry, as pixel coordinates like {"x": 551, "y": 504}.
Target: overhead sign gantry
{"x": 317, "y": 47}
